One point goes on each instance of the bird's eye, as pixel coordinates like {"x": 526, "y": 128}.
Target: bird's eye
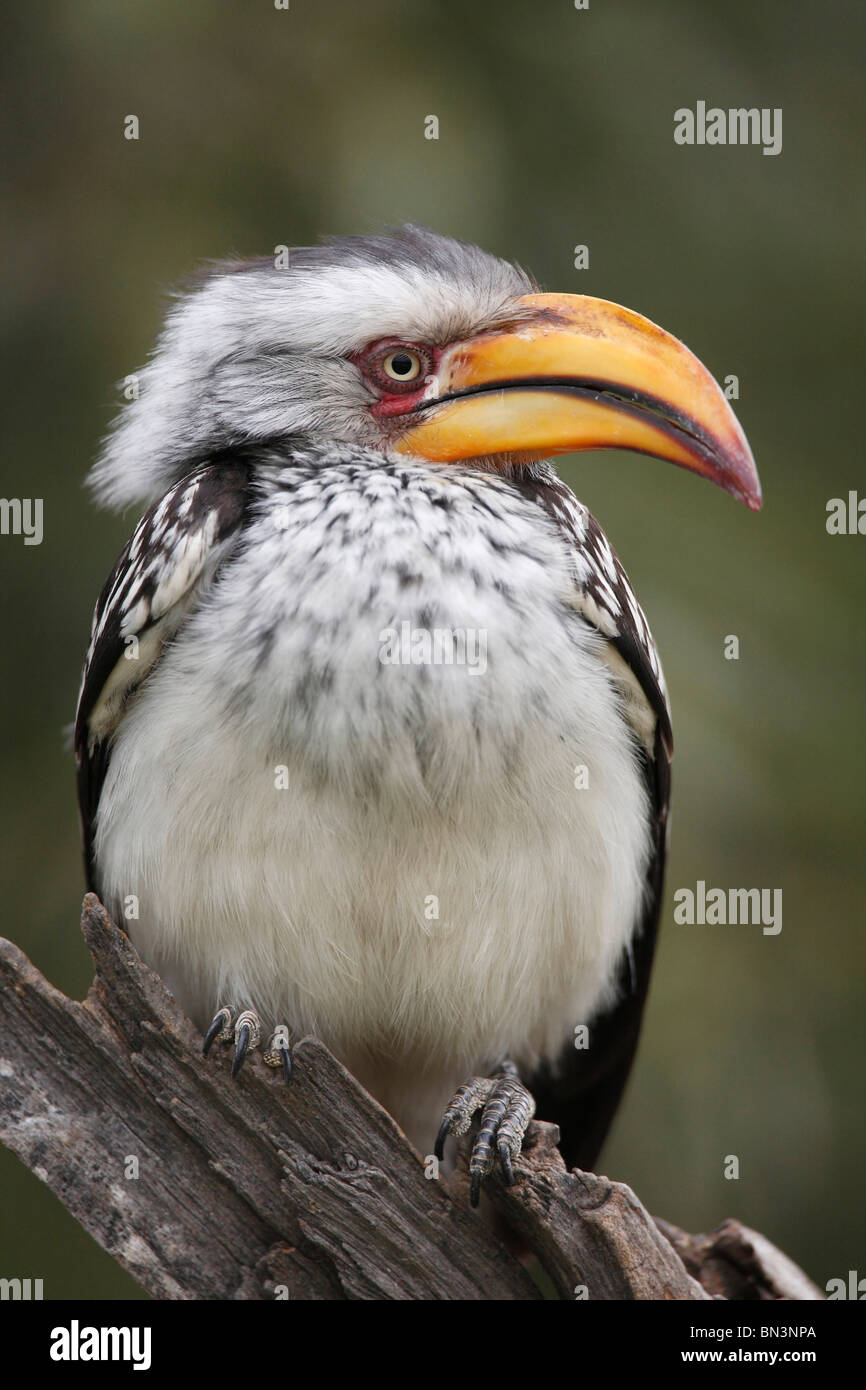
{"x": 396, "y": 367}
{"x": 402, "y": 365}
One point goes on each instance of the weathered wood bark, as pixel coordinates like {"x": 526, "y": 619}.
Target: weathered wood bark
{"x": 204, "y": 1187}
{"x": 737, "y": 1263}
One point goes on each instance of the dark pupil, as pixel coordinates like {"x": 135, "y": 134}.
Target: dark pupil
{"x": 401, "y": 364}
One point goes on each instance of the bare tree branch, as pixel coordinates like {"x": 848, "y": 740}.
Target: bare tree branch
{"x": 202, "y": 1187}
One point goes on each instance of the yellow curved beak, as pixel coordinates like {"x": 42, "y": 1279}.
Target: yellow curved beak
{"x": 582, "y": 373}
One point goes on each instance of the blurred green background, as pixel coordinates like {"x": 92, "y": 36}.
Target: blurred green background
{"x": 259, "y": 127}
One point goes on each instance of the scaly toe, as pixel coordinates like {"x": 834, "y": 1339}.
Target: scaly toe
{"x": 278, "y": 1052}
{"x": 470, "y": 1097}
{"x": 248, "y": 1032}
{"x": 504, "y": 1120}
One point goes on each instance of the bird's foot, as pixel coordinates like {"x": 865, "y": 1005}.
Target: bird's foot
{"x": 245, "y": 1032}
{"x": 506, "y": 1108}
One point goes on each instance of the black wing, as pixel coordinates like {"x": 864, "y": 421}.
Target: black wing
{"x": 174, "y": 551}
{"x": 582, "y": 1091}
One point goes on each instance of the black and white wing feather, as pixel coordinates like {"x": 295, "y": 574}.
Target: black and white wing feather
{"x": 173, "y": 553}
{"x": 582, "y": 1091}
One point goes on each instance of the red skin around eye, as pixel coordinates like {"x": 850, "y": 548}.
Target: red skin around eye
{"x": 396, "y": 402}
{"x": 387, "y": 405}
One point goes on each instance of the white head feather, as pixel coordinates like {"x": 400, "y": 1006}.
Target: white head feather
{"x": 255, "y": 352}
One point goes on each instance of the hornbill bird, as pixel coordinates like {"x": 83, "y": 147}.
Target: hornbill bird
{"x": 441, "y": 867}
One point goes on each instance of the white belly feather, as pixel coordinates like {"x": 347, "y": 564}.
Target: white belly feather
{"x": 432, "y": 890}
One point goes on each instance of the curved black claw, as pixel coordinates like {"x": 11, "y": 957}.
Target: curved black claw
{"x": 506, "y": 1108}
{"x": 444, "y": 1131}
{"x": 505, "y": 1162}
{"x": 279, "y": 1053}
{"x": 247, "y": 1035}
{"x": 221, "y": 1028}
